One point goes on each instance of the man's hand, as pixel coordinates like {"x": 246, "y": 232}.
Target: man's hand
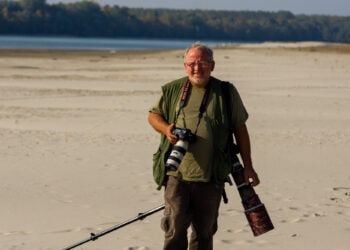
{"x": 250, "y": 176}
{"x": 169, "y": 135}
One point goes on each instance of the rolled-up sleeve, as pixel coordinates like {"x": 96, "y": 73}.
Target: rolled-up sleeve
{"x": 239, "y": 114}
{"x": 158, "y": 107}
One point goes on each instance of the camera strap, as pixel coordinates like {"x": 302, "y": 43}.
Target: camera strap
{"x": 184, "y": 98}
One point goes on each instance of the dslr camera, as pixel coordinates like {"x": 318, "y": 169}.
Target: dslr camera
{"x": 178, "y": 151}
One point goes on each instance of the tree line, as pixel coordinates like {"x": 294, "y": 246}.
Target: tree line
{"x": 89, "y": 19}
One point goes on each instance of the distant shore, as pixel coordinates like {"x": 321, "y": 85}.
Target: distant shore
{"x": 301, "y": 46}
{"x": 305, "y": 46}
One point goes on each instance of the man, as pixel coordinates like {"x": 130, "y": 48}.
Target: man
{"x": 193, "y": 190}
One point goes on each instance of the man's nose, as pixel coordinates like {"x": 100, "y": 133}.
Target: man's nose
{"x": 196, "y": 66}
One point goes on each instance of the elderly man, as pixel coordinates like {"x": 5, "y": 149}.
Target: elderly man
{"x": 193, "y": 189}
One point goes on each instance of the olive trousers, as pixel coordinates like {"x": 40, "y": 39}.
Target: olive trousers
{"x": 194, "y": 204}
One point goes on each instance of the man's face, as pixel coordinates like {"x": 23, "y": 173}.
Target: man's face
{"x": 198, "y": 67}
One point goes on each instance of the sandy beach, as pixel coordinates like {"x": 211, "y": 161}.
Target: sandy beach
{"x": 76, "y": 148}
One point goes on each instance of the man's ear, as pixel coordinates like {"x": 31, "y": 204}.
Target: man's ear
{"x": 213, "y": 66}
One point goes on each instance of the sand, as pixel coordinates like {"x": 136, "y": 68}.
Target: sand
{"x": 76, "y": 147}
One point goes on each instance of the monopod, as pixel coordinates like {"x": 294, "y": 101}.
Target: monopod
{"x": 94, "y": 237}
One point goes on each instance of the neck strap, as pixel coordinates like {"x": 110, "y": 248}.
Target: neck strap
{"x": 184, "y": 98}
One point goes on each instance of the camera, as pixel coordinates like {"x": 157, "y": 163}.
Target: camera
{"x": 184, "y": 134}
{"x": 178, "y": 151}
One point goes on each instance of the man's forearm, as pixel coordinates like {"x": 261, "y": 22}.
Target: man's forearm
{"x": 243, "y": 143}
{"x": 158, "y": 122}
{"x": 160, "y": 125}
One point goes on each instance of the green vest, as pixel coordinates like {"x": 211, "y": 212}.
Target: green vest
{"x": 221, "y": 165}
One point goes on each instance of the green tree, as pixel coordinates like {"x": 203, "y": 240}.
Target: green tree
{"x": 32, "y": 5}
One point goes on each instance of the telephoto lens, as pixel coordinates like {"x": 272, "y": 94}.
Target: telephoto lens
{"x": 255, "y": 211}
{"x": 176, "y": 155}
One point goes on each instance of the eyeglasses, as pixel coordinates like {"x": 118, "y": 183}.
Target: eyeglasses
{"x": 199, "y": 64}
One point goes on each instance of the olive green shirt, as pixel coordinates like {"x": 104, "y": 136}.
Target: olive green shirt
{"x": 196, "y": 164}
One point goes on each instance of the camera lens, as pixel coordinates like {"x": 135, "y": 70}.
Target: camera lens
{"x": 176, "y": 155}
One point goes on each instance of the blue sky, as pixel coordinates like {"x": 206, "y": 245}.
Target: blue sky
{"x": 324, "y": 7}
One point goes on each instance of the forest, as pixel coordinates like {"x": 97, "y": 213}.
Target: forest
{"x": 89, "y": 19}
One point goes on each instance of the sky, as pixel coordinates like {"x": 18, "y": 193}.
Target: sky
{"x": 322, "y": 7}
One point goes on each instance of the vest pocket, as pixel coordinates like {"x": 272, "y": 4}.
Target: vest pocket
{"x": 158, "y": 169}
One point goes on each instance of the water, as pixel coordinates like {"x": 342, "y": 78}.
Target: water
{"x": 29, "y": 42}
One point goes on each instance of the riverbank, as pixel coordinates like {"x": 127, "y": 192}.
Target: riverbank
{"x": 76, "y": 146}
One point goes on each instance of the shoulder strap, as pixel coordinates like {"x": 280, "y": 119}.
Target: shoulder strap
{"x": 225, "y": 88}
{"x": 171, "y": 93}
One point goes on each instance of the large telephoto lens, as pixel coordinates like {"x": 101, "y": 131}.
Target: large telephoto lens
{"x": 176, "y": 155}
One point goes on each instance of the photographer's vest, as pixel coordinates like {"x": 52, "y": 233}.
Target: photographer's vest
{"x": 221, "y": 165}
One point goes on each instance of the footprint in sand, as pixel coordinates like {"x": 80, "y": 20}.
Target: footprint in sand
{"x": 342, "y": 194}
{"x": 14, "y": 233}
{"x": 296, "y": 220}
{"x": 137, "y": 248}
{"x": 227, "y": 241}
{"x": 341, "y": 188}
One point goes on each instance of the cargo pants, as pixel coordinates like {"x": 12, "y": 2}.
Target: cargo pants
{"x": 194, "y": 204}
